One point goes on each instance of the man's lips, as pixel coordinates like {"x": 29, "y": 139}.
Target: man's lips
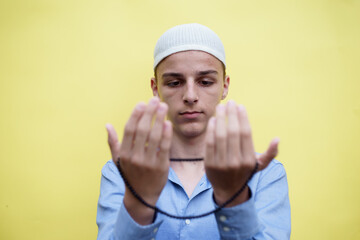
{"x": 190, "y": 114}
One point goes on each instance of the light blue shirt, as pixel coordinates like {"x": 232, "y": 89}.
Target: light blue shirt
{"x": 266, "y": 215}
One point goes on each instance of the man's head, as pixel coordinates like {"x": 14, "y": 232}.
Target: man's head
{"x": 189, "y": 66}
{"x": 188, "y": 37}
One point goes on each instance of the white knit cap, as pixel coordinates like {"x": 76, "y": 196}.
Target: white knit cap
{"x": 186, "y": 37}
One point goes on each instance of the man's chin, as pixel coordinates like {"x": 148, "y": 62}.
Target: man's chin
{"x": 192, "y": 130}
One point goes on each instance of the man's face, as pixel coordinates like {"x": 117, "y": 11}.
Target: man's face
{"x": 192, "y": 84}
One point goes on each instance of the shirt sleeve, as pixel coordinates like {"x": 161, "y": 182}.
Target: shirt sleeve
{"x": 266, "y": 215}
{"x": 113, "y": 220}
{"x": 272, "y": 203}
{"x": 238, "y": 222}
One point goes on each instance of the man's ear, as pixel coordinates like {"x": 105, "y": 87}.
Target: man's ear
{"x": 226, "y": 87}
{"x": 154, "y": 87}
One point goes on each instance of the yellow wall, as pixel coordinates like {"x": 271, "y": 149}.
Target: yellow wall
{"x": 69, "y": 67}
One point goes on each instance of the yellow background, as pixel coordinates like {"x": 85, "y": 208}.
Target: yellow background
{"x": 69, "y": 67}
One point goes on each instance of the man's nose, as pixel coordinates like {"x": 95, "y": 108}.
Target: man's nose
{"x": 190, "y": 94}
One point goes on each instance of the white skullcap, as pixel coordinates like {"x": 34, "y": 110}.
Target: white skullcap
{"x": 186, "y": 37}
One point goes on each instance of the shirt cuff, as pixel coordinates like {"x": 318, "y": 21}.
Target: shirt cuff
{"x": 238, "y": 222}
{"x": 126, "y": 228}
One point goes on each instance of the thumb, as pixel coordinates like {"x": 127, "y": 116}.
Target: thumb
{"x": 265, "y": 158}
{"x": 112, "y": 140}
{"x": 112, "y": 135}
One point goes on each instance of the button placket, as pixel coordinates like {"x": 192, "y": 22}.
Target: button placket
{"x": 222, "y": 218}
{"x": 226, "y": 229}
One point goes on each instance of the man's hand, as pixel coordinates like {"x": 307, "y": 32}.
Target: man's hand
{"x": 143, "y": 156}
{"x": 230, "y": 156}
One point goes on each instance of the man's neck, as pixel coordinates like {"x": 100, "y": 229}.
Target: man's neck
{"x": 193, "y": 147}
{"x": 184, "y": 147}
{"x": 189, "y": 173}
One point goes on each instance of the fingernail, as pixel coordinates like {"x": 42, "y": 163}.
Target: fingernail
{"x": 220, "y": 108}
{"x": 154, "y": 101}
{"x": 241, "y": 107}
{"x": 212, "y": 121}
{"x": 231, "y": 102}
{"x": 167, "y": 124}
{"x": 161, "y": 108}
{"x": 141, "y": 106}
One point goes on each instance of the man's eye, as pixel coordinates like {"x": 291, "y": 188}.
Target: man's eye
{"x": 173, "y": 84}
{"x": 206, "y": 83}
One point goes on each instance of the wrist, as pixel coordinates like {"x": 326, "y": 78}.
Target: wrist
{"x": 140, "y": 213}
{"x": 221, "y": 197}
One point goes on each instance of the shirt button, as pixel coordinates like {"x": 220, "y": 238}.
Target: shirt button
{"x": 187, "y": 221}
{"x": 155, "y": 230}
{"x": 222, "y": 218}
{"x": 226, "y": 229}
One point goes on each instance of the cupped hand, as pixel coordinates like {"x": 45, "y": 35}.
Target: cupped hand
{"x": 230, "y": 156}
{"x": 143, "y": 154}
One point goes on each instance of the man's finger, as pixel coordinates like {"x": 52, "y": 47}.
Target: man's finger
{"x": 210, "y": 142}
{"x": 233, "y": 133}
{"x": 165, "y": 144}
{"x": 113, "y": 141}
{"x": 156, "y": 132}
{"x": 112, "y": 135}
{"x": 247, "y": 147}
{"x": 130, "y": 127}
{"x": 220, "y": 134}
{"x": 143, "y": 129}
{"x": 265, "y": 158}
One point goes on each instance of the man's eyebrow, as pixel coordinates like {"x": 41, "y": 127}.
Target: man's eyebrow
{"x": 172, "y": 74}
{"x": 202, "y": 73}
{"x": 180, "y": 75}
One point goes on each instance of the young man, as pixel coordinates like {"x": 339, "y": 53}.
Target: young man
{"x": 163, "y": 161}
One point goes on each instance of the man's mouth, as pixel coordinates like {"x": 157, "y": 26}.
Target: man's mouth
{"x": 191, "y": 114}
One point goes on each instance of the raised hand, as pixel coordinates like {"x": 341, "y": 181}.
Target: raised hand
{"x": 230, "y": 155}
{"x": 143, "y": 156}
